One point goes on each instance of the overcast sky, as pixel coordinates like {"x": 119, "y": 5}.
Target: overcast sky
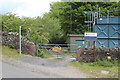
{"x": 28, "y": 8}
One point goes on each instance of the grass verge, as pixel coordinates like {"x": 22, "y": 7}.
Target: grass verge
{"x": 95, "y": 69}
{"x": 10, "y": 53}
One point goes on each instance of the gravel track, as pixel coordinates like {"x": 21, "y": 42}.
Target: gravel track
{"x": 52, "y": 68}
{"x": 44, "y": 62}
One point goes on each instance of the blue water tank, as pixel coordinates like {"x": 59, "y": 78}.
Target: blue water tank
{"x": 108, "y": 30}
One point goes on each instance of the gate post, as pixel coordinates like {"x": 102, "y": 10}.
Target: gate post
{"x": 36, "y": 49}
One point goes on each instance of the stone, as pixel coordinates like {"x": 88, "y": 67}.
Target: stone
{"x": 86, "y": 54}
{"x": 11, "y": 39}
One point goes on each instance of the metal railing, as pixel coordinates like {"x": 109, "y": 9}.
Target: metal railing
{"x": 65, "y": 48}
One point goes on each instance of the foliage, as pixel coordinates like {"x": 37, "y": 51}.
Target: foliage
{"x": 43, "y": 53}
{"x": 72, "y": 16}
{"x": 105, "y": 63}
{"x": 65, "y": 50}
{"x": 96, "y": 68}
{"x": 64, "y": 18}
{"x": 38, "y": 30}
{"x": 52, "y": 26}
{"x": 11, "y": 23}
{"x": 0, "y": 22}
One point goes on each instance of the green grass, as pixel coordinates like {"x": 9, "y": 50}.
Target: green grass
{"x": 94, "y": 69}
{"x": 10, "y": 53}
{"x": 57, "y": 53}
{"x": 65, "y": 50}
{"x": 72, "y": 54}
{"x": 47, "y": 55}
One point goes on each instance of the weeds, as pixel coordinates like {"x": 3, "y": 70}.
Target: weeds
{"x": 43, "y": 53}
{"x": 95, "y": 68}
{"x": 105, "y": 63}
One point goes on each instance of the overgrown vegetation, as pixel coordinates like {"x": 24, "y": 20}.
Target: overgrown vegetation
{"x": 64, "y": 18}
{"x": 43, "y": 53}
{"x": 105, "y": 63}
{"x": 95, "y": 68}
{"x": 37, "y": 30}
{"x": 10, "y": 53}
{"x": 72, "y": 14}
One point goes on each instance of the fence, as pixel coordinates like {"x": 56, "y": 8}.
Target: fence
{"x": 61, "y": 49}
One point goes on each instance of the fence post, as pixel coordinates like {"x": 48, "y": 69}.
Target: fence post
{"x": 94, "y": 51}
{"x": 36, "y": 49}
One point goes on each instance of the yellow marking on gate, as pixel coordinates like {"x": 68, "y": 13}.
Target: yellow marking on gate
{"x": 56, "y": 49}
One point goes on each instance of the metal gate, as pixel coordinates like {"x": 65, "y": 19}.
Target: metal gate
{"x": 108, "y": 30}
{"x": 61, "y": 49}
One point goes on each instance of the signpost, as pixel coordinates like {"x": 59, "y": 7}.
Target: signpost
{"x": 20, "y": 39}
{"x": 91, "y": 36}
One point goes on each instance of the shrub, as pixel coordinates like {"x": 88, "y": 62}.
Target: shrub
{"x": 40, "y": 53}
{"x": 105, "y": 63}
{"x": 43, "y": 53}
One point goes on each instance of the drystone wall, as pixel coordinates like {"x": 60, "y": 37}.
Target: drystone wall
{"x": 11, "y": 39}
{"x": 89, "y": 55}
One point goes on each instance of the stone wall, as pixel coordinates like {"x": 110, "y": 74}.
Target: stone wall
{"x": 11, "y": 39}
{"x": 88, "y": 55}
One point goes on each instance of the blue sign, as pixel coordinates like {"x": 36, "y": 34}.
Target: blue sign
{"x": 90, "y": 38}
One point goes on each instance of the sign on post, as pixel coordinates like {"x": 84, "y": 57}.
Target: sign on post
{"x": 91, "y": 36}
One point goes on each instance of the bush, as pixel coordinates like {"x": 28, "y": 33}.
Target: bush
{"x": 40, "y": 53}
{"x": 43, "y": 53}
{"x": 105, "y": 63}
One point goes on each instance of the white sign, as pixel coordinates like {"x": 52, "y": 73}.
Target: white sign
{"x": 91, "y": 34}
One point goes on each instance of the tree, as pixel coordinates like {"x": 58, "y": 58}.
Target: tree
{"x": 11, "y": 22}
{"x": 64, "y": 18}
{"x": 72, "y": 16}
{"x": 53, "y": 27}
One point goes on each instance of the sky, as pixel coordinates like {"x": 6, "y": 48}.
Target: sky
{"x": 27, "y": 8}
